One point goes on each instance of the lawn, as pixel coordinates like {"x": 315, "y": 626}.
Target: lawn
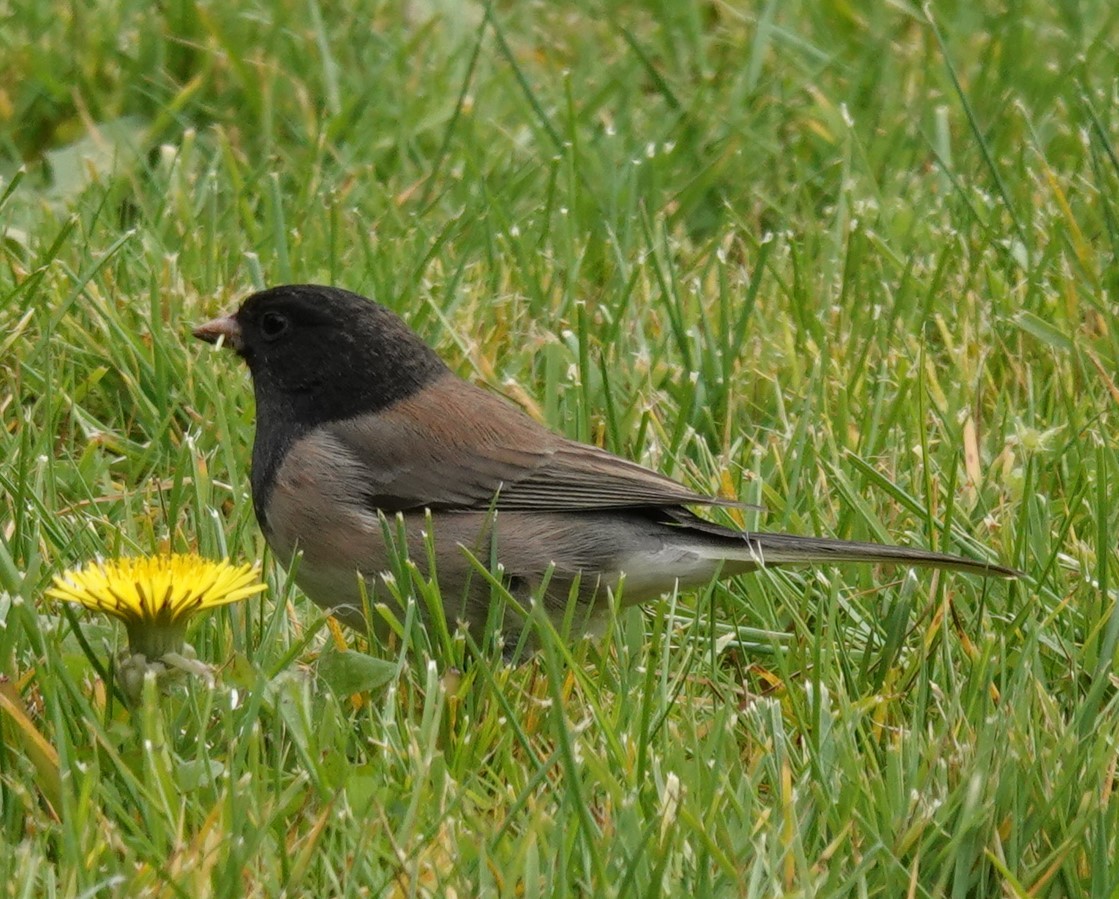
{"x": 852, "y": 263}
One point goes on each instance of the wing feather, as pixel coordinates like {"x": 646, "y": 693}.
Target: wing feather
{"x": 457, "y": 447}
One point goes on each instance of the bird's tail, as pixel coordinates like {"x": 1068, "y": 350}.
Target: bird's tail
{"x": 763, "y": 549}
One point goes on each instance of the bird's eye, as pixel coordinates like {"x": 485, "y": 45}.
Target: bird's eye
{"x": 272, "y": 325}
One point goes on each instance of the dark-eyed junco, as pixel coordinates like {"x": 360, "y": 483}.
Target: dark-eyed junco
{"x": 357, "y": 418}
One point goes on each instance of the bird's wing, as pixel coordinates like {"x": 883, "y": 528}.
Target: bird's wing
{"x": 579, "y": 476}
{"x": 456, "y": 447}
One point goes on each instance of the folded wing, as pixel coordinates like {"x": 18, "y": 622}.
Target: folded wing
{"x": 476, "y": 451}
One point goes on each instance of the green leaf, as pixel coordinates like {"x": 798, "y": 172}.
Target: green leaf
{"x": 1043, "y": 331}
{"x": 354, "y": 672}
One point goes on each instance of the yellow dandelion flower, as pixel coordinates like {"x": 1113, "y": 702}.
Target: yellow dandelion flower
{"x": 155, "y": 596}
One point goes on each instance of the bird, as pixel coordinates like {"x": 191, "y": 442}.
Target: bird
{"x": 368, "y": 446}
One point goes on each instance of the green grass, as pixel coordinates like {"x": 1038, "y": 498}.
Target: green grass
{"x": 842, "y": 261}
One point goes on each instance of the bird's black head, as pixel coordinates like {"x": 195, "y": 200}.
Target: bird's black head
{"x": 317, "y": 355}
{"x": 323, "y": 354}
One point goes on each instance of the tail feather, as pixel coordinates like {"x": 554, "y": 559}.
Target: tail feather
{"x": 764, "y": 549}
